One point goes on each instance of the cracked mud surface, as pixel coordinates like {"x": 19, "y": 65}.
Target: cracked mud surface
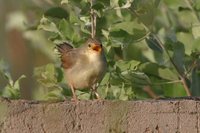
{"x": 153, "y": 116}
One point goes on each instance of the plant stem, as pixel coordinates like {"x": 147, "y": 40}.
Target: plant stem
{"x": 185, "y": 86}
{"x": 93, "y": 20}
{"x": 169, "y": 82}
{"x": 192, "y": 66}
{"x": 142, "y": 38}
{"x": 150, "y": 92}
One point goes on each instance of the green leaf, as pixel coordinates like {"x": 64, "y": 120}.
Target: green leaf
{"x": 54, "y": 95}
{"x": 179, "y": 55}
{"x": 128, "y": 26}
{"x": 66, "y": 29}
{"x": 140, "y": 79}
{"x": 46, "y": 74}
{"x": 47, "y": 25}
{"x": 60, "y": 74}
{"x": 154, "y": 44}
{"x": 105, "y": 33}
{"x": 114, "y": 3}
{"x": 105, "y": 79}
{"x": 127, "y": 4}
{"x": 195, "y": 84}
{"x": 47, "y": 84}
{"x": 123, "y": 96}
{"x": 197, "y": 5}
{"x": 64, "y": 2}
{"x": 146, "y": 10}
{"x": 188, "y": 40}
{"x": 196, "y": 30}
{"x": 114, "y": 92}
{"x": 98, "y": 6}
{"x": 127, "y": 34}
{"x": 127, "y": 65}
{"x": 159, "y": 71}
{"x": 106, "y": 3}
{"x": 115, "y": 79}
{"x": 119, "y": 33}
{"x": 83, "y": 95}
{"x": 56, "y": 12}
{"x": 12, "y": 90}
{"x": 174, "y": 90}
{"x": 16, "y": 84}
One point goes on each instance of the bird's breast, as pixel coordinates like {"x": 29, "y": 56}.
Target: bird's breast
{"x": 86, "y": 72}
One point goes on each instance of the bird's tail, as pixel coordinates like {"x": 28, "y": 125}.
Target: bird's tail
{"x": 64, "y": 47}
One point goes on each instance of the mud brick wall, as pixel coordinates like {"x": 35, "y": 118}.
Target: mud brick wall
{"x": 152, "y": 116}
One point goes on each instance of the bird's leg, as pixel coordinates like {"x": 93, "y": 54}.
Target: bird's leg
{"x": 97, "y": 95}
{"x": 91, "y": 93}
{"x": 94, "y": 90}
{"x": 74, "y": 95}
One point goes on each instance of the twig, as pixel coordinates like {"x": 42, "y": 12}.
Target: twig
{"x": 192, "y": 66}
{"x": 145, "y": 36}
{"x": 93, "y": 19}
{"x": 169, "y": 82}
{"x": 185, "y": 86}
{"x": 150, "y": 92}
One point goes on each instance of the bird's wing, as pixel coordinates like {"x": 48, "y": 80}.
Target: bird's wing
{"x": 68, "y": 55}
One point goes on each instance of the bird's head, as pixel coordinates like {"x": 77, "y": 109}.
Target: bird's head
{"x": 94, "y": 45}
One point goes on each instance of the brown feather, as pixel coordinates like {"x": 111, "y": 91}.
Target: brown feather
{"x": 67, "y": 55}
{"x": 64, "y": 47}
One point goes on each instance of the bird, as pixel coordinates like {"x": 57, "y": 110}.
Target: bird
{"x": 85, "y": 66}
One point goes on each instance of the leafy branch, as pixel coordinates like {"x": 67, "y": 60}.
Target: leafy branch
{"x": 155, "y": 38}
{"x": 182, "y": 76}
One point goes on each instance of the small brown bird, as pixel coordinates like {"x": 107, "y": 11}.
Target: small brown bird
{"x": 85, "y": 66}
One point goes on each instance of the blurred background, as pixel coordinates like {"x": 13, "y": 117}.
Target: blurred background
{"x": 141, "y": 38}
{"x": 19, "y": 51}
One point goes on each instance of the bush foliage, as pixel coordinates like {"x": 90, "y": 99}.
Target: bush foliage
{"x": 152, "y": 47}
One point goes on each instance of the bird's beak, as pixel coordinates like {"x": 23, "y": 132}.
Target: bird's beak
{"x": 97, "y": 48}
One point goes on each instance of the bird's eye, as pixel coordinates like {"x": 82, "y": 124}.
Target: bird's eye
{"x": 89, "y": 45}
